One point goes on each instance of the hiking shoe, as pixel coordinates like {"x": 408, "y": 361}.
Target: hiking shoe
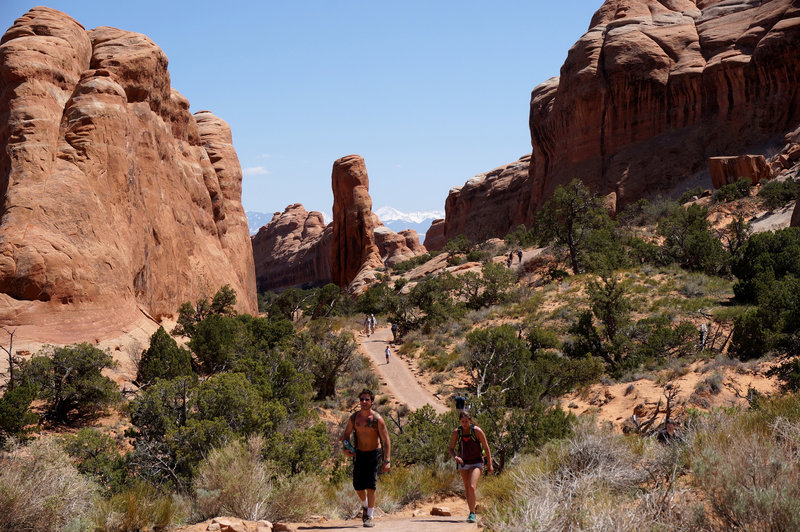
{"x": 471, "y": 518}
{"x": 364, "y": 515}
{"x": 369, "y": 522}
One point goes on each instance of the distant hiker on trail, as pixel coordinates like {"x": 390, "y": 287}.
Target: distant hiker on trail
{"x": 510, "y": 258}
{"x": 461, "y": 403}
{"x": 519, "y": 254}
{"x": 367, "y": 323}
{"x": 394, "y": 332}
{"x": 472, "y": 449}
{"x": 387, "y": 354}
{"x": 372, "y": 323}
{"x": 370, "y": 429}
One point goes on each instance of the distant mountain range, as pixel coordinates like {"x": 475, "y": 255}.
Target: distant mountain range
{"x": 397, "y": 221}
{"x": 392, "y": 218}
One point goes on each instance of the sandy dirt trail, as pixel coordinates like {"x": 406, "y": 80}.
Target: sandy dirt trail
{"x": 397, "y": 377}
{"x": 423, "y": 523}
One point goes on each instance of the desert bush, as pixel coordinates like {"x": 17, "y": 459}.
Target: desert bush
{"x": 410, "y": 484}
{"x": 410, "y": 264}
{"x": 590, "y": 481}
{"x": 40, "y": 489}
{"x": 139, "y": 507}
{"x": 689, "y": 242}
{"x": 748, "y": 472}
{"x": 733, "y": 191}
{"x": 689, "y": 194}
{"x": 520, "y": 237}
{"x": 776, "y": 194}
{"x": 234, "y": 480}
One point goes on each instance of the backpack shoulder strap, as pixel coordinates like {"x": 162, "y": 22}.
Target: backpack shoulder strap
{"x": 472, "y": 432}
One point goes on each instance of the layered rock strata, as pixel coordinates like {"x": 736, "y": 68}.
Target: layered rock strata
{"x": 114, "y": 199}
{"x": 647, "y": 95}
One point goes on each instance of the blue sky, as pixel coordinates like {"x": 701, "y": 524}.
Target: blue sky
{"x": 429, "y": 93}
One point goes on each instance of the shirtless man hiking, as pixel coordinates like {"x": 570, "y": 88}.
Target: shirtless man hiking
{"x": 370, "y": 430}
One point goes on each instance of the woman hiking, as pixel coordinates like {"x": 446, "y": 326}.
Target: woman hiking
{"x": 472, "y": 447}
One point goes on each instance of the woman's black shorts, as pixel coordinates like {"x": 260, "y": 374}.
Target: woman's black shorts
{"x": 365, "y": 469}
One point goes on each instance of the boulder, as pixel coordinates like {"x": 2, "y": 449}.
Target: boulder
{"x": 726, "y": 170}
{"x": 117, "y": 201}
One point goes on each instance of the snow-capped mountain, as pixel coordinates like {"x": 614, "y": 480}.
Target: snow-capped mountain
{"x": 395, "y": 220}
{"x": 398, "y": 221}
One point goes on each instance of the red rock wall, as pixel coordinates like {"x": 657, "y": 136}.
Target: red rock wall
{"x": 650, "y": 92}
{"x": 644, "y": 99}
{"x": 114, "y": 197}
{"x": 293, "y": 249}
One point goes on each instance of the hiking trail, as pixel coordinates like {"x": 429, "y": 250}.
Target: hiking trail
{"x": 397, "y": 379}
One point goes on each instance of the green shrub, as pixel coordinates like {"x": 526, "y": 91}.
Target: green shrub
{"x": 96, "y": 456}
{"x": 689, "y": 194}
{"x": 410, "y": 264}
{"x": 776, "y": 194}
{"x": 163, "y": 359}
{"x": 733, "y": 191}
{"x": 15, "y": 415}
{"x": 689, "y": 242}
{"x": 71, "y": 382}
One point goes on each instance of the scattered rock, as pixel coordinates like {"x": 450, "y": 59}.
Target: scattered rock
{"x": 441, "y": 510}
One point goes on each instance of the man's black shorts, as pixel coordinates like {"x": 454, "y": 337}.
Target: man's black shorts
{"x": 365, "y": 469}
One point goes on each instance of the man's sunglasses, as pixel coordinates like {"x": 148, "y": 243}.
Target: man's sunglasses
{"x": 364, "y": 399}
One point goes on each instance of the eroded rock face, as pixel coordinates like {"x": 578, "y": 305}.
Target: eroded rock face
{"x": 293, "y": 249}
{"x": 654, "y": 89}
{"x": 353, "y": 248}
{"x": 645, "y": 97}
{"x": 726, "y": 170}
{"x": 115, "y": 199}
{"x": 488, "y": 205}
{"x": 434, "y": 236}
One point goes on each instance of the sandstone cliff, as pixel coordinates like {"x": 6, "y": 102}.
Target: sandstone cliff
{"x": 293, "y": 249}
{"x": 646, "y": 97}
{"x": 114, "y": 199}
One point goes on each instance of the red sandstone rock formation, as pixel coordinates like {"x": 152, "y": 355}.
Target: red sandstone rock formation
{"x": 488, "y": 205}
{"x": 353, "y": 248}
{"x": 726, "y": 170}
{"x": 434, "y": 236}
{"x": 654, "y": 89}
{"x": 115, "y": 199}
{"x": 645, "y": 98}
{"x": 293, "y": 249}
{"x": 296, "y": 249}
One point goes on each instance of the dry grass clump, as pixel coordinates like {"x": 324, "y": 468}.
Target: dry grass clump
{"x": 748, "y": 469}
{"x": 592, "y": 481}
{"x": 234, "y": 480}
{"x": 41, "y": 490}
{"x": 139, "y": 507}
{"x": 405, "y": 485}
